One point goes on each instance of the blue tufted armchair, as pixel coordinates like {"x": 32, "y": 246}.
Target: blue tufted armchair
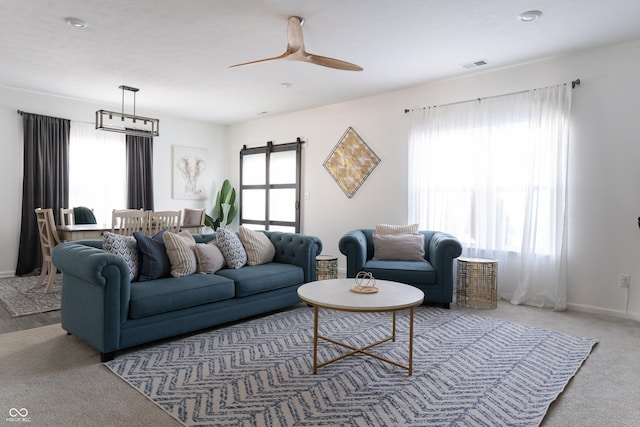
{"x": 434, "y": 275}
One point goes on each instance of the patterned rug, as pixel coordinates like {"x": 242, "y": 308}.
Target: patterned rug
{"x": 467, "y": 370}
{"x": 20, "y": 296}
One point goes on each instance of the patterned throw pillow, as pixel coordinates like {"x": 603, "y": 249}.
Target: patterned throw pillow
{"x": 259, "y": 248}
{"x": 181, "y": 252}
{"x": 396, "y": 229}
{"x": 231, "y": 247}
{"x": 126, "y": 248}
{"x": 209, "y": 257}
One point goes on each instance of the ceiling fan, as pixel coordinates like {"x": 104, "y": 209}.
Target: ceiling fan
{"x": 295, "y": 50}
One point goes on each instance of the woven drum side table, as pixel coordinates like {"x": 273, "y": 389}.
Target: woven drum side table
{"x": 477, "y": 283}
{"x": 326, "y": 267}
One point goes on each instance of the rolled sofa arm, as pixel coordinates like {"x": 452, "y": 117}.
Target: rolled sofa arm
{"x": 354, "y": 246}
{"x": 443, "y": 249}
{"x": 94, "y": 281}
{"x": 297, "y": 249}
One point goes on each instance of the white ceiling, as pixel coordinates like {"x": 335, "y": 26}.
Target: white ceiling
{"x": 178, "y": 52}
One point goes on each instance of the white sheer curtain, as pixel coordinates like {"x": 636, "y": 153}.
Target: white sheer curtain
{"x": 97, "y": 170}
{"x": 493, "y": 172}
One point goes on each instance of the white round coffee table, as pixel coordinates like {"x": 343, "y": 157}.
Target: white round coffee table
{"x": 336, "y": 294}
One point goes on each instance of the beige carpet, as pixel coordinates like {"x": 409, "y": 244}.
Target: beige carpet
{"x": 61, "y": 381}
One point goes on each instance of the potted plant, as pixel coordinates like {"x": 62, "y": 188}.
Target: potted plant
{"x": 225, "y": 207}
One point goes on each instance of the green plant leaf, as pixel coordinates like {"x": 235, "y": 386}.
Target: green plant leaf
{"x": 226, "y": 196}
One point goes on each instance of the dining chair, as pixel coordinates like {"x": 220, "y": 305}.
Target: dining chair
{"x": 128, "y": 221}
{"x": 163, "y": 220}
{"x": 48, "y": 240}
{"x": 194, "y": 217}
{"x": 66, "y": 216}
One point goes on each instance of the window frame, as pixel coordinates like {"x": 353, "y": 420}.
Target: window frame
{"x": 267, "y": 186}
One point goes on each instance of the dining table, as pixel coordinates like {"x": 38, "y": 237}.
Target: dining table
{"x": 68, "y": 233}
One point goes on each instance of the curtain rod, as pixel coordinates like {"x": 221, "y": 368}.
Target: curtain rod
{"x": 77, "y": 121}
{"x": 574, "y": 83}
{"x": 22, "y": 113}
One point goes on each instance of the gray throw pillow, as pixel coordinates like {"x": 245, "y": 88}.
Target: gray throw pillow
{"x": 402, "y": 247}
{"x": 209, "y": 257}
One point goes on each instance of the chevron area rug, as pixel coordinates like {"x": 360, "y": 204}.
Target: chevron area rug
{"x": 467, "y": 371}
{"x": 20, "y": 296}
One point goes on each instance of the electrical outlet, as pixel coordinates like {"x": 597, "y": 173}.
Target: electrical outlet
{"x": 624, "y": 280}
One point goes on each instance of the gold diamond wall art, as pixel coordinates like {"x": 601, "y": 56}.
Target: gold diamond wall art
{"x": 351, "y": 162}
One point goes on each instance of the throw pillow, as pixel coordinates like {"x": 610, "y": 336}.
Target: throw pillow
{"x": 397, "y": 229}
{"x": 125, "y": 247}
{"x": 209, "y": 257}
{"x": 154, "y": 262}
{"x": 257, "y": 245}
{"x": 181, "y": 252}
{"x": 231, "y": 247}
{"x": 404, "y": 247}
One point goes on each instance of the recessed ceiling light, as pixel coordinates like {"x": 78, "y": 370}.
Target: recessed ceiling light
{"x": 75, "y": 22}
{"x": 286, "y": 85}
{"x": 530, "y": 15}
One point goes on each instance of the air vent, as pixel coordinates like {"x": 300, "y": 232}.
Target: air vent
{"x": 475, "y": 64}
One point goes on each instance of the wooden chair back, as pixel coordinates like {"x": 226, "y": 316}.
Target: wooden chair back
{"x": 48, "y": 240}
{"x": 66, "y": 216}
{"x": 194, "y": 217}
{"x": 163, "y": 220}
{"x": 128, "y": 221}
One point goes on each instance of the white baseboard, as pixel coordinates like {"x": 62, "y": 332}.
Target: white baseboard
{"x": 603, "y": 311}
{"x": 5, "y": 274}
{"x": 342, "y": 272}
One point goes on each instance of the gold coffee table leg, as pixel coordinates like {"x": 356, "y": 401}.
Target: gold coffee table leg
{"x": 361, "y": 350}
{"x": 410, "y": 339}
{"x": 393, "y": 333}
{"x": 315, "y": 339}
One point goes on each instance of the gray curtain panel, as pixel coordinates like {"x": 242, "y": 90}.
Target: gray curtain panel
{"x": 139, "y": 172}
{"x": 45, "y": 183}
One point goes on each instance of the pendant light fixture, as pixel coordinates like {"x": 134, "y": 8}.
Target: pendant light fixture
{"x": 127, "y": 123}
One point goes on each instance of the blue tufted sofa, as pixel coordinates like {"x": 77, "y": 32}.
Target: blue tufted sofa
{"x": 434, "y": 276}
{"x": 101, "y": 306}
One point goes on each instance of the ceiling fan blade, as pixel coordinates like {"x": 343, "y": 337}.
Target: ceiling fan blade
{"x": 295, "y": 50}
{"x": 284, "y": 55}
{"x": 330, "y": 62}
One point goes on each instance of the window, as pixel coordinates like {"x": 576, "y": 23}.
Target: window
{"x": 97, "y": 170}
{"x": 270, "y": 187}
{"x": 493, "y": 173}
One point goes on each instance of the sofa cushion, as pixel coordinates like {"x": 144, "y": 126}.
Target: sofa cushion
{"x": 410, "y": 272}
{"x": 402, "y": 247}
{"x": 257, "y": 245}
{"x": 209, "y": 257}
{"x": 126, "y": 248}
{"x": 231, "y": 247}
{"x": 253, "y": 279}
{"x": 170, "y": 294}
{"x": 154, "y": 262}
{"x": 397, "y": 229}
{"x": 181, "y": 252}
